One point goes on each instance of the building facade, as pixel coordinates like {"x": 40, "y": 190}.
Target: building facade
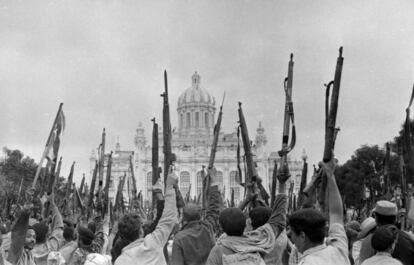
{"x": 191, "y": 143}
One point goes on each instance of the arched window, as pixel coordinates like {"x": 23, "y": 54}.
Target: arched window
{"x": 181, "y": 121}
{"x": 197, "y": 119}
{"x": 188, "y": 121}
{"x": 206, "y": 120}
{"x": 199, "y": 182}
{"x": 184, "y": 182}
{"x": 235, "y": 186}
{"x": 219, "y": 178}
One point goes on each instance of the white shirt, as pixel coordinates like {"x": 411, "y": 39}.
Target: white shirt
{"x": 335, "y": 251}
{"x": 381, "y": 258}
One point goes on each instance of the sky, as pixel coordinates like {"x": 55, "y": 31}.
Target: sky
{"x": 105, "y": 60}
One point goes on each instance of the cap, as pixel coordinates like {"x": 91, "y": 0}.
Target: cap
{"x": 366, "y": 226}
{"x": 386, "y": 208}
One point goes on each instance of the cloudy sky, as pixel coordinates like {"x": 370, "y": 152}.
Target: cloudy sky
{"x": 105, "y": 61}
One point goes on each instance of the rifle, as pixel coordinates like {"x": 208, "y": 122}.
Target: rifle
{"x": 119, "y": 193}
{"x": 273, "y": 188}
{"x": 134, "y": 182}
{"x": 92, "y": 189}
{"x": 101, "y": 167}
{"x": 331, "y": 110}
{"x": 106, "y": 189}
{"x": 70, "y": 181}
{"x": 303, "y": 181}
{"x": 251, "y": 176}
{"x": 169, "y": 157}
{"x": 407, "y": 146}
{"x": 403, "y": 186}
{"x": 166, "y": 124}
{"x": 82, "y": 184}
{"x": 386, "y": 163}
{"x": 330, "y": 122}
{"x": 283, "y": 173}
{"x": 216, "y": 136}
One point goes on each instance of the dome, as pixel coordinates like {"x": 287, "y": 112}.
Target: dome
{"x": 195, "y": 94}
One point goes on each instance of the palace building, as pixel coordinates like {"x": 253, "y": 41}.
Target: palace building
{"x": 191, "y": 143}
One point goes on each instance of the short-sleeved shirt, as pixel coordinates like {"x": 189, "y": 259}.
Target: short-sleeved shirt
{"x": 334, "y": 251}
{"x": 381, "y": 258}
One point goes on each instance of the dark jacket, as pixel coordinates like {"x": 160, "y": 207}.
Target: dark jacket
{"x": 192, "y": 244}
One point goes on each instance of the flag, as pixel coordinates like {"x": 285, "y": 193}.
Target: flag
{"x": 53, "y": 144}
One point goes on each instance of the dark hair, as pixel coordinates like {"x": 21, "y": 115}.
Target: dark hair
{"x": 383, "y": 238}
{"x": 309, "y": 221}
{"x": 92, "y": 227}
{"x": 129, "y": 226}
{"x": 117, "y": 246}
{"x": 385, "y": 219}
{"x": 233, "y": 221}
{"x": 191, "y": 212}
{"x": 86, "y": 236}
{"x": 259, "y": 216}
{"x": 69, "y": 233}
{"x": 41, "y": 230}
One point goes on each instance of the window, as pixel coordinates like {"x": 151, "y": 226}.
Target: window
{"x": 181, "y": 121}
{"x": 219, "y": 178}
{"x": 199, "y": 182}
{"x": 234, "y": 185}
{"x": 197, "y": 118}
{"x": 206, "y": 120}
{"x": 184, "y": 182}
{"x": 188, "y": 122}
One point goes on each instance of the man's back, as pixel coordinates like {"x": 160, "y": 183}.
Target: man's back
{"x": 194, "y": 243}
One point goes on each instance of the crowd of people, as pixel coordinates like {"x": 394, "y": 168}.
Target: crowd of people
{"x": 252, "y": 233}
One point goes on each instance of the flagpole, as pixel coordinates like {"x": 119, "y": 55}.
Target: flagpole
{"x": 42, "y": 159}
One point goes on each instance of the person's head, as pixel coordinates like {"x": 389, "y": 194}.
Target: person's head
{"x": 191, "y": 212}
{"x": 130, "y": 227}
{"x": 307, "y": 228}
{"x": 86, "y": 236}
{"x": 383, "y": 238}
{"x": 259, "y": 216}
{"x": 97, "y": 259}
{"x": 41, "y": 230}
{"x": 69, "y": 233}
{"x": 233, "y": 221}
{"x": 385, "y": 213}
{"x": 30, "y": 239}
{"x": 92, "y": 227}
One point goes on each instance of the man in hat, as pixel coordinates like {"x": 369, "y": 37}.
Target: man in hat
{"x": 192, "y": 244}
{"x": 385, "y": 215}
{"x": 383, "y": 241}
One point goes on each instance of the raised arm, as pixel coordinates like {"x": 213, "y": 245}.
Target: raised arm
{"x": 18, "y": 236}
{"x": 56, "y": 237}
{"x": 169, "y": 214}
{"x": 213, "y": 197}
{"x": 278, "y": 218}
{"x": 336, "y": 214}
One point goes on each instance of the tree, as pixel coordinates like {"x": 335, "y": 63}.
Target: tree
{"x": 357, "y": 173}
{"x": 14, "y": 168}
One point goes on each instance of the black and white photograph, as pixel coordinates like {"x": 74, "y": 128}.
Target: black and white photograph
{"x": 206, "y": 132}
